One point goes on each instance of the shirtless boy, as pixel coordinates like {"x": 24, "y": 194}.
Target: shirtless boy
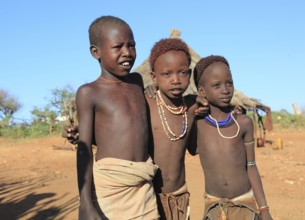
{"x": 112, "y": 111}
{"x": 171, "y": 117}
{"x": 226, "y": 148}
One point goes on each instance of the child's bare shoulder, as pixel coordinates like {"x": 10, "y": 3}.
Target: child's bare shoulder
{"x": 87, "y": 87}
{"x": 136, "y": 78}
{"x": 244, "y": 119}
{"x": 136, "y": 75}
{"x": 87, "y": 90}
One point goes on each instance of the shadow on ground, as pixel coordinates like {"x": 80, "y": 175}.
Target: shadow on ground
{"x": 24, "y": 202}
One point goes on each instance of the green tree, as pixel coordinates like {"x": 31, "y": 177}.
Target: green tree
{"x": 286, "y": 120}
{"x": 8, "y": 106}
{"x": 63, "y": 101}
{"x": 44, "y": 118}
{"x": 61, "y": 105}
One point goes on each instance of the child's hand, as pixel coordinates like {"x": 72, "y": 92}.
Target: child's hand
{"x": 203, "y": 106}
{"x": 237, "y": 110}
{"x": 151, "y": 91}
{"x": 265, "y": 215}
{"x": 71, "y": 133}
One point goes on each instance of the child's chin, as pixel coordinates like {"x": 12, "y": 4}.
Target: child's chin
{"x": 176, "y": 95}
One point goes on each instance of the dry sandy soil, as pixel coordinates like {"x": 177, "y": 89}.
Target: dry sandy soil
{"x": 38, "y": 180}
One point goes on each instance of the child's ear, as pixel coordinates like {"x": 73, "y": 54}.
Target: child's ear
{"x": 201, "y": 91}
{"x": 95, "y": 52}
{"x": 153, "y": 77}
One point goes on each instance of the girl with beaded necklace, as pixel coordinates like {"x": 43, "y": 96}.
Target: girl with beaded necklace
{"x": 226, "y": 148}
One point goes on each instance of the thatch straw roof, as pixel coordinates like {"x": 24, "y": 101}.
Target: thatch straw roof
{"x": 239, "y": 99}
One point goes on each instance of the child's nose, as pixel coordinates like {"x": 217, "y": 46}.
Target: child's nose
{"x": 126, "y": 51}
{"x": 225, "y": 89}
{"x": 176, "y": 79}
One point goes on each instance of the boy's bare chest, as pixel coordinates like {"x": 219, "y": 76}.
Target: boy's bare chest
{"x": 122, "y": 99}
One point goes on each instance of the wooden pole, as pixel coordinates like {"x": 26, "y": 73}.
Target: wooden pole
{"x": 254, "y": 124}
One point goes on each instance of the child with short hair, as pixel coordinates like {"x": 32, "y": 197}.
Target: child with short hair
{"x": 171, "y": 117}
{"x": 112, "y": 111}
{"x": 226, "y": 147}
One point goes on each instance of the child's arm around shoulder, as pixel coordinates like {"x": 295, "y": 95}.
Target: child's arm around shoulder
{"x": 192, "y": 143}
{"x": 197, "y": 105}
{"x": 85, "y": 109}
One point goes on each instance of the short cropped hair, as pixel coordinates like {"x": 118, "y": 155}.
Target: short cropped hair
{"x": 97, "y": 26}
{"x": 203, "y": 63}
{"x": 166, "y": 45}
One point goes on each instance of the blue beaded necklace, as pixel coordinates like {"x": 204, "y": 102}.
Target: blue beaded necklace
{"x": 226, "y": 123}
{"x": 222, "y": 124}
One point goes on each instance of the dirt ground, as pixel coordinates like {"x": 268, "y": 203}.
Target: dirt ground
{"x": 38, "y": 178}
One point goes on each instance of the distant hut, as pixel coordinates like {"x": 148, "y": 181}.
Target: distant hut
{"x": 239, "y": 100}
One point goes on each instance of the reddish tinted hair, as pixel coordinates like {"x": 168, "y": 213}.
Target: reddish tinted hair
{"x": 165, "y": 45}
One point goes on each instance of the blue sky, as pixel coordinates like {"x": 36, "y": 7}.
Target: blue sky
{"x": 44, "y": 44}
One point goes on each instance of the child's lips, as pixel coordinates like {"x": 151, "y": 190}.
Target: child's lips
{"x": 177, "y": 91}
{"x": 228, "y": 99}
{"x": 126, "y": 63}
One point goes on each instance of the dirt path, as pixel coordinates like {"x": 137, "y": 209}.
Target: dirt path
{"x": 38, "y": 181}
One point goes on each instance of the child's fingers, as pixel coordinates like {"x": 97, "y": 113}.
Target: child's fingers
{"x": 150, "y": 91}
{"x": 202, "y": 110}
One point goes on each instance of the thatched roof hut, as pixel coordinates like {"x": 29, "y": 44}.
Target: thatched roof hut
{"x": 239, "y": 100}
{"x": 144, "y": 68}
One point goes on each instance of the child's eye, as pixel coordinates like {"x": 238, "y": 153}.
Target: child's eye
{"x": 117, "y": 46}
{"x": 165, "y": 74}
{"x": 132, "y": 44}
{"x": 184, "y": 72}
{"x": 230, "y": 84}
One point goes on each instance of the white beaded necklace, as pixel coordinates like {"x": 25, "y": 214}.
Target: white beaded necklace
{"x": 166, "y": 128}
{"x": 217, "y": 126}
{"x": 175, "y": 110}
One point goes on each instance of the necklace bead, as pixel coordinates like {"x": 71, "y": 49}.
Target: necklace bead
{"x": 181, "y": 110}
{"x": 219, "y": 132}
{"x": 175, "y": 110}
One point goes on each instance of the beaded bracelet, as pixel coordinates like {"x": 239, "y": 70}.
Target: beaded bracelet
{"x": 263, "y": 208}
{"x": 251, "y": 163}
{"x": 248, "y": 143}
